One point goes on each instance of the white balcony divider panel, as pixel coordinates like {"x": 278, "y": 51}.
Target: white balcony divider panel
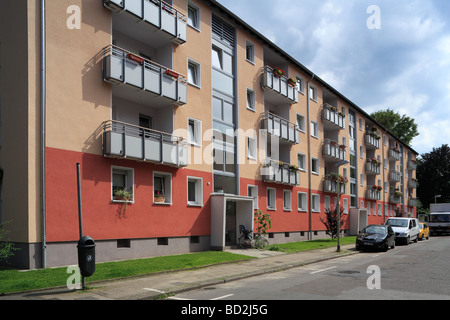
{"x": 282, "y": 174}
{"x": 279, "y": 85}
{"x": 158, "y": 13}
{"x": 124, "y": 140}
{"x": 280, "y": 127}
{"x": 122, "y": 66}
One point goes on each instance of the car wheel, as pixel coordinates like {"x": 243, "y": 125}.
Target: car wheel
{"x": 393, "y": 245}
{"x": 416, "y": 239}
{"x": 408, "y": 240}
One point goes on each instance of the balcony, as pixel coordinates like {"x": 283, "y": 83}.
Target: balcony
{"x": 331, "y": 150}
{"x": 156, "y": 15}
{"x": 332, "y": 182}
{"x": 278, "y": 88}
{"x": 280, "y": 127}
{"x": 372, "y": 140}
{"x": 373, "y": 166}
{"x": 412, "y": 165}
{"x": 279, "y": 172}
{"x": 395, "y": 176}
{"x": 332, "y": 118}
{"x": 123, "y": 140}
{"x": 373, "y": 193}
{"x": 394, "y": 154}
{"x": 396, "y": 198}
{"x": 144, "y": 79}
{"x": 412, "y": 183}
{"x": 412, "y": 202}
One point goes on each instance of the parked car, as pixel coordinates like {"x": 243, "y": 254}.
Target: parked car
{"x": 406, "y": 229}
{"x": 376, "y": 237}
{"x": 424, "y": 231}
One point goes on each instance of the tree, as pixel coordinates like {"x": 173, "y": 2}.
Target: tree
{"x": 403, "y": 127}
{"x": 6, "y": 248}
{"x": 330, "y": 221}
{"x": 433, "y": 175}
{"x": 263, "y": 221}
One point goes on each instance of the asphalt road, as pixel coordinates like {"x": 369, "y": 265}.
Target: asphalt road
{"x": 418, "y": 271}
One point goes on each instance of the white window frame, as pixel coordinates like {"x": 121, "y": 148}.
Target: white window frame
{"x": 196, "y": 9}
{"x": 314, "y": 129}
{"x": 317, "y": 171}
{"x": 198, "y": 191}
{"x": 287, "y": 200}
{"x": 197, "y": 81}
{"x": 345, "y": 205}
{"x": 313, "y": 93}
{"x": 301, "y": 164}
{"x": 129, "y": 181}
{"x": 315, "y": 202}
{"x": 302, "y": 204}
{"x": 167, "y": 180}
{"x": 300, "y": 85}
{"x": 249, "y": 44}
{"x": 251, "y": 95}
{"x": 252, "y": 191}
{"x": 327, "y": 202}
{"x": 197, "y": 131}
{"x": 251, "y": 148}
{"x": 301, "y": 125}
{"x": 271, "y": 194}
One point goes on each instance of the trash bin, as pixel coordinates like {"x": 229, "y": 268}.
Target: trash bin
{"x": 86, "y": 256}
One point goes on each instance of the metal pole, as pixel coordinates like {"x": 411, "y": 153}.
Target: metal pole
{"x": 80, "y": 217}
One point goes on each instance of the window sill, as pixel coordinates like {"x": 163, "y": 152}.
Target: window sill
{"x": 194, "y": 204}
{"x": 163, "y": 203}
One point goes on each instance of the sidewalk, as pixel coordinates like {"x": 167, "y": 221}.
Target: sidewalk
{"x": 150, "y": 287}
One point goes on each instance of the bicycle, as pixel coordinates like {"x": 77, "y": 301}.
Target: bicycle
{"x": 247, "y": 241}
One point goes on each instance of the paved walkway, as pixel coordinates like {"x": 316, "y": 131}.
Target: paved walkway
{"x": 152, "y": 286}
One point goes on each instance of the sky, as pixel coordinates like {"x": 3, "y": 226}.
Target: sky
{"x": 379, "y": 54}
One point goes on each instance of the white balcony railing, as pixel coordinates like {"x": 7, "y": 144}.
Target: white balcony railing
{"x": 279, "y": 172}
{"x": 394, "y": 154}
{"x": 124, "y": 67}
{"x": 332, "y": 182}
{"x": 412, "y": 202}
{"x": 372, "y": 141}
{"x": 395, "y": 176}
{"x": 157, "y": 13}
{"x": 123, "y": 140}
{"x": 280, "y": 127}
{"x": 412, "y": 183}
{"x": 373, "y": 193}
{"x": 332, "y": 118}
{"x": 373, "y": 167}
{"x": 279, "y": 85}
{"x": 397, "y": 199}
{"x": 412, "y": 165}
{"x": 333, "y": 151}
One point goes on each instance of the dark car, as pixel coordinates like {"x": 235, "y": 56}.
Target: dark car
{"x": 376, "y": 237}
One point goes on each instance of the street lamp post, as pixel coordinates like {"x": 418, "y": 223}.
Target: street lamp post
{"x": 338, "y": 222}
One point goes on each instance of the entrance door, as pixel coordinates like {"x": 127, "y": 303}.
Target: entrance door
{"x": 230, "y": 224}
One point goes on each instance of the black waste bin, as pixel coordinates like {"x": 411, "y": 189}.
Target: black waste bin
{"x": 86, "y": 256}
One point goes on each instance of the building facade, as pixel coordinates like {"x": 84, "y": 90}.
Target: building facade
{"x": 185, "y": 121}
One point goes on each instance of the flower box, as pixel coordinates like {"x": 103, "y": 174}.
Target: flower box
{"x": 172, "y": 74}
{"x": 135, "y": 58}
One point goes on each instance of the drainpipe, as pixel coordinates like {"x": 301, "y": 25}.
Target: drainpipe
{"x": 43, "y": 107}
{"x": 308, "y": 126}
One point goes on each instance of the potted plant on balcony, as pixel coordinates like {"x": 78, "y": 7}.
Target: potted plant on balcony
{"x": 342, "y": 147}
{"x": 278, "y": 72}
{"x": 159, "y": 197}
{"x": 135, "y": 58}
{"x": 172, "y": 74}
{"x": 293, "y": 167}
{"x": 122, "y": 194}
{"x": 292, "y": 82}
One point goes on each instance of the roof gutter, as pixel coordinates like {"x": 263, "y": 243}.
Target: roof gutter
{"x": 43, "y": 117}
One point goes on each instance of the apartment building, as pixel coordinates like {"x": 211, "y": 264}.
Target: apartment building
{"x": 185, "y": 121}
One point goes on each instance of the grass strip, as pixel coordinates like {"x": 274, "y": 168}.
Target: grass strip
{"x": 310, "y": 245}
{"x": 17, "y": 281}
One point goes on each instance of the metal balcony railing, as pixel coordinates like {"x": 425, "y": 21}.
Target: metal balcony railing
{"x": 124, "y": 67}
{"x": 394, "y": 154}
{"x": 373, "y": 167}
{"x": 332, "y": 118}
{"x": 372, "y": 141}
{"x": 279, "y": 85}
{"x": 412, "y": 165}
{"x": 395, "y": 176}
{"x": 280, "y": 127}
{"x": 373, "y": 193}
{"x": 158, "y": 14}
{"x": 331, "y": 183}
{"x": 280, "y": 172}
{"x": 333, "y": 151}
{"x": 123, "y": 140}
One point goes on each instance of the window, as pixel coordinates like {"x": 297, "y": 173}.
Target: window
{"x": 345, "y": 205}
{"x": 250, "y": 52}
{"x": 361, "y": 179}
{"x": 251, "y": 100}
{"x": 361, "y": 152}
{"x": 162, "y": 188}
{"x": 145, "y": 121}
{"x": 314, "y": 129}
{"x": 251, "y": 148}
{"x": 302, "y": 201}
{"x": 313, "y": 93}
{"x": 122, "y": 184}
{"x": 195, "y": 191}
{"x": 271, "y": 197}
{"x": 315, "y": 202}
{"x": 287, "y": 200}
{"x": 301, "y": 161}
{"x": 301, "y": 122}
{"x": 194, "y": 73}
{"x": 195, "y": 132}
{"x": 193, "y": 18}
{"x": 360, "y": 124}
{"x": 379, "y": 209}
{"x": 315, "y": 165}
{"x": 327, "y": 202}
{"x": 252, "y": 191}
{"x": 217, "y": 58}
{"x": 300, "y": 85}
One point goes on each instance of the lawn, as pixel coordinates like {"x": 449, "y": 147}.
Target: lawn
{"x": 310, "y": 245}
{"x": 15, "y": 281}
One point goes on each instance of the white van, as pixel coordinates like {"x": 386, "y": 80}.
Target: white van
{"x": 406, "y": 229}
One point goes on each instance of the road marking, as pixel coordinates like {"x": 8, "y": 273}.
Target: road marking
{"x": 176, "y": 298}
{"x": 154, "y": 290}
{"x": 223, "y": 297}
{"x": 321, "y": 270}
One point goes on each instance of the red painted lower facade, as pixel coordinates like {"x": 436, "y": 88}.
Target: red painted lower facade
{"x": 104, "y": 219}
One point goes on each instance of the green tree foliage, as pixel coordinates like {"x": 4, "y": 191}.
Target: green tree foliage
{"x": 403, "y": 127}
{"x": 433, "y": 175}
